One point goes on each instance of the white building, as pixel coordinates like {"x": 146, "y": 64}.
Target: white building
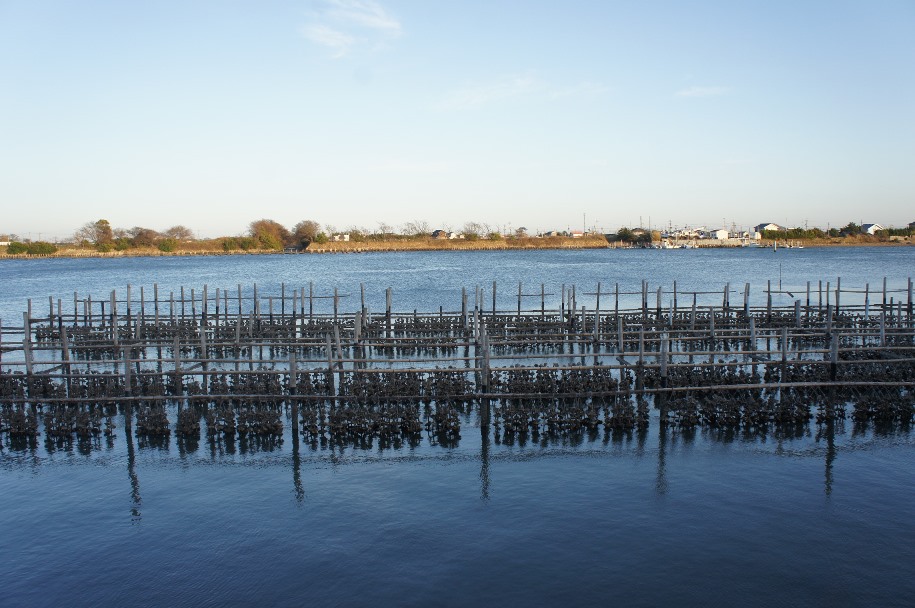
{"x": 871, "y": 228}
{"x": 721, "y": 234}
{"x": 770, "y": 226}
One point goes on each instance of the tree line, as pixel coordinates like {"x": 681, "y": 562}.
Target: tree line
{"x": 262, "y": 234}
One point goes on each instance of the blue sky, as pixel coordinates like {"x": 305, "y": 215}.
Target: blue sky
{"x": 539, "y": 114}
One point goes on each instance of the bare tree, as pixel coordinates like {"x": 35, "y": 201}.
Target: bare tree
{"x": 417, "y": 228}
{"x": 143, "y": 237}
{"x": 385, "y": 230}
{"x": 475, "y": 229}
{"x": 99, "y": 233}
{"x": 305, "y": 232}
{"x": 179, "y": 233}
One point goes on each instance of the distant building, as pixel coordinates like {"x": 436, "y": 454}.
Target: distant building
{"x": 721, "y": 234}
{"x": 770, "y": 226}
{"x": 439, "y": 234}
{"x": 577, "y": 234}
{"x": 340, "y": 238}
{"x": 556, "y": 233}
{"x": 871, "y": 228}
{"x": 912, "y": 226}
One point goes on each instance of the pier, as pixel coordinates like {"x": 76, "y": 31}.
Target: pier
{"x": 241, "y": 363}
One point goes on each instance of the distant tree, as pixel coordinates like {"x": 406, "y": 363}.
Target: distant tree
{"x": 521, "y": 232}
{"x": 321, "y": 238}
{"x": 269, "y": 234}
{"x": 385, "y": 231}
{"x": 98, "y": 233}
{"x": 851, "y": 228}
{"x": 474, "y": 230}
{"x": 356, "y": 234}
{"x": 16, "y": 247}
{"x": 167, "y": 245}
{"x": 417, "y": 228}
{"x": 179, "y": 233}
{"x": 305, "y": 232}
{"x": 143, "y": 237}
{"x": 41, "y": 248}
{"x": 625, "y": 234}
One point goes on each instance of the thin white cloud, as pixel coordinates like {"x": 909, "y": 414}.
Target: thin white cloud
{"x": 702, "y": 91}
{"x": 477, "y": 95}
{"x": 364, "y": 13}
{"x": 514, "y": 86}
{"x": 345, "y": 25}
{"x": 339, "y": 42}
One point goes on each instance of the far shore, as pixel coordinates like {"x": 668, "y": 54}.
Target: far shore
{"x": 402, "y": 245}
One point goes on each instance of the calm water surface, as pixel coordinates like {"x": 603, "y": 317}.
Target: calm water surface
{"x": 822, "y": 516}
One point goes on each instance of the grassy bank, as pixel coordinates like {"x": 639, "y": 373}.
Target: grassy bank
{"x": 430, "y": 244}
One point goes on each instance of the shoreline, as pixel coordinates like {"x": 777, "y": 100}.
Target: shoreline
{"x": 401, "y": 246}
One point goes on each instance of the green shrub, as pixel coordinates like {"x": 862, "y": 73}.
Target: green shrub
{"x": 41, "y": 248}
{"x": 122, "y": 244}
{"x": 15, "y": 248}
{"x": 321, "y": 238}
{"x": 167, "y": 245}
{"x": 104, "y": 247}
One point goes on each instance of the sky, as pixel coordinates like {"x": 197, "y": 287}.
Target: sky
{"x": 547, "y": 115}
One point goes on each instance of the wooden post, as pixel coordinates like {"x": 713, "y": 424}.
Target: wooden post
{"x": 464, "y": 306}
{"x": 311, "y": 301}
{"x": 752, "y": 333}
{"x": 769, "y": 302}
{"x": 619, "y": 334}
{"x": 675, "y": 297}
{"x": 834, "y": 357}
{"x": 179, "y": 380}
{"x": 597, "y": 304}
{"x": 128, "y": 383}
{"x": 239, "y": 300}
{"x": 616, "y": 300}
{"x": 838, "y": 292}
{"x": 336, "y": 304}
{"x": 644, "y": 300}
{"x": 797, "y": 313}
{"x": 27, "y": 341}
{"x": 711, "y": 325}
{"x": 664, "y": 350}
{"x": 867, "y": 301}
{"x": 494, "y": 298}
{"x": 156, "y": 302}
{"x": 884, "y": 293}
{"x": 542, "y": 300}
{"x": 641, "y": 345}
{"x": 746, "y": 300}
{"x": 910, "y": 304}
{"x": 519, "y": 298}
{"x": 362, "y": 296}
{"x": 182, "y": 302}
{"x": 114, "y": 319}
{"x": 882, "y": 328}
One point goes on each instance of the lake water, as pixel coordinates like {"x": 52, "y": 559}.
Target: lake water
{"x": 822, "y": 516}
